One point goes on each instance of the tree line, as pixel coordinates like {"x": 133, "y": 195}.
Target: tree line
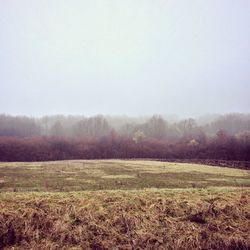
{"x": 224, "y": 137}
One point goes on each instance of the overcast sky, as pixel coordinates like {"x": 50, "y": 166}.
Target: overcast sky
{"x": 134, "y": 57}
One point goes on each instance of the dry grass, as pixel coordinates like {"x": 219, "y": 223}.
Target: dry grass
{"x": 148, "y": 219}
{"x": 115, "y": 174}
{"x": 119, "y": 176}
{"x": 136, "y": 205}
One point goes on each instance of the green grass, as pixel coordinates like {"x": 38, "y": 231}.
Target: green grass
{"x": 90, "y": 175}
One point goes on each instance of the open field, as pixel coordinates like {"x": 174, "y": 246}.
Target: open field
{"x": 115, "y": 204}
{"x": 115, "y": 174}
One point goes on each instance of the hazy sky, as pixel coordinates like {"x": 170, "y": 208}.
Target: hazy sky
{"x": 134, "y": 57}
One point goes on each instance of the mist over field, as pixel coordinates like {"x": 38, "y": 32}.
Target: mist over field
{"x": 124, "y": 124}
{"x": 124, "y": 79}
{"x": 135, "y": 58}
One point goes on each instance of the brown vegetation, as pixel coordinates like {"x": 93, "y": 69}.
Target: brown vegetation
{"x": 151, "y": 219}
{"x": 60, "y": 138}
{"x": 109, "y": 147}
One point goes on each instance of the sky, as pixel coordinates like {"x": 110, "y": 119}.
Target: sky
{"x": 132, "y": 57}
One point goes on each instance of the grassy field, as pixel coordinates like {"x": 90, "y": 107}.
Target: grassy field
{"x": 115, "y": 174}
{"x": 116, "y": 204}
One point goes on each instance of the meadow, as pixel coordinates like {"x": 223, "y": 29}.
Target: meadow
{"x": 117, "y": 204}
{"x": 82, "y": 175}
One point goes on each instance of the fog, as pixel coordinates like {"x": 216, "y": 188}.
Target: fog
{"x": 135, "y": 57}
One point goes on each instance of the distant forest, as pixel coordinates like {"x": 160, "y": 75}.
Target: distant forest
{"x": 224, "y": 137}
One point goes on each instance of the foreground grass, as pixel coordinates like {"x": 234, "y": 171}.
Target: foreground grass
{"x": 116, "y": 204}
{"x": 212, "y": 218}
{"x": 115, "y": 175}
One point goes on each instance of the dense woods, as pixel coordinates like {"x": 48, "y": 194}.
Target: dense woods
{"x": 224, "y": 137}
